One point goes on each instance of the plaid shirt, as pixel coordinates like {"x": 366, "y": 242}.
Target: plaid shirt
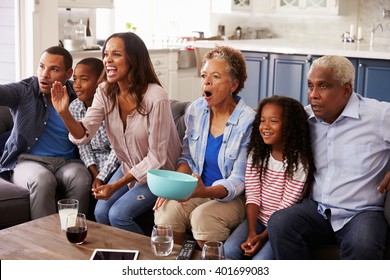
{"x": 97, "y": 151}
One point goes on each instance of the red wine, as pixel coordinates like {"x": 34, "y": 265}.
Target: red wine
{"x": 76, "y": 234}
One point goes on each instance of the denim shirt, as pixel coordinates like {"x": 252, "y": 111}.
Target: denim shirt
{"x": 232, "y": 155}
{"x": 30, "y": 114}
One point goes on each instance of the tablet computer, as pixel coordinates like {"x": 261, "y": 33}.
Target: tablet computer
{"x": 114, "y": 254}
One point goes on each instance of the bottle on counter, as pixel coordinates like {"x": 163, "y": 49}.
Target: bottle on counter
{"x": 238, "y": 33}
{"x": 88, "y": 39}
{"x": 88, "y": 30}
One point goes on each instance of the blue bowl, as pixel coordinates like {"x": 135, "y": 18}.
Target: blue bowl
{"x": 171, "y": 184}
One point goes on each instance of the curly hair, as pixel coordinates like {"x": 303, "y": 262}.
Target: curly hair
{"x": 236, "y": 61}
{"x": 296, "y": 136}
{"x": 141, "y": 71}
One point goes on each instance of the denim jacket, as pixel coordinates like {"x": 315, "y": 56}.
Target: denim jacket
{"x": 232, "y": 155}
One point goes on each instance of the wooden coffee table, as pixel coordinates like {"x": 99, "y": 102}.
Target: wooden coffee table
{"x": 42, "y": 239}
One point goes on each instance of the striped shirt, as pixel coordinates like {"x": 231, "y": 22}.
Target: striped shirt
{"x": 275, "y": 192}
{"x": 98, "y": 150}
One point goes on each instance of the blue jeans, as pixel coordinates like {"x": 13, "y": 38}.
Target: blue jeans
{"x": 121, "y": 209}
{"x": 232, "y": 245}
{"x": 294, "y": 230}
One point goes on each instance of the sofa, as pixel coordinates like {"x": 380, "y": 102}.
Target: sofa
{"x": 14, "y": 200}
{"x": 15, "y": 208}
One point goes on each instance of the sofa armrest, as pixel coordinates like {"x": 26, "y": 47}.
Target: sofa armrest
{"x": 14, "y": 204}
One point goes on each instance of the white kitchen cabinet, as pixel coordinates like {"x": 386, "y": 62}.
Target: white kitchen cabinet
{"x": 86, "y": 4}
{"x": 165, "y": 65}
{"x": 242, "y": 5}
{"x": 324, "y": 7}
{"x": 259, "y": 6}
{"x": 256, "y": 6}
{"x": 188, "y": 88}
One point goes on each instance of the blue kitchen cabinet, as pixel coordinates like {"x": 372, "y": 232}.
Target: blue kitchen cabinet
{"x": 255, "y": 87}
{"x": 374, "y": 79}
{"x": 288, "y": 76}
{"x": 355, "y": 62}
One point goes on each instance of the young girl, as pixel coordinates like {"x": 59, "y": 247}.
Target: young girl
{"x": 278, "y": 173}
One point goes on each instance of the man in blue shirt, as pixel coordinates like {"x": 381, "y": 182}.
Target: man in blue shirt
{"x": 351, "y": 146}
{"x": 38, "y": 154}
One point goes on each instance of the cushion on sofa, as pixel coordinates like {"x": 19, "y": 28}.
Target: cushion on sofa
{"x": 14, "y": 204}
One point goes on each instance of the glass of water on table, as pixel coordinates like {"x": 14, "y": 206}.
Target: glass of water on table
{"x": 162, "y": 240}
{"x": 65, "y": 208}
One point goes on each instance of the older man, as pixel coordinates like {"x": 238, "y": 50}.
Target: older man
{"x": 351, "y": 142}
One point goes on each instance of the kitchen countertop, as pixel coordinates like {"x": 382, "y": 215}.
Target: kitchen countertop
{"x": 306, "y": 47}
{"x": 98, "y": 52}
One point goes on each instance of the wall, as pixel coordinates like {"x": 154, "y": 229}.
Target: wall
{"x": 164, "y": 20}
{"x": 370, "y": 12}
{"x": 358, "y": 12}
{"x": 7, "y": 42}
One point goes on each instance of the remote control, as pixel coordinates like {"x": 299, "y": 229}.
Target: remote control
{"x": 186, "y": 250}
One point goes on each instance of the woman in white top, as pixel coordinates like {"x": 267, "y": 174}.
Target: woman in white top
{"x": 139, "y": 125}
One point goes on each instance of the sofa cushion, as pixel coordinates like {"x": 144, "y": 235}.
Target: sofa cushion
{"x": 14, "y": 204}
{"x": 178, "y": 109}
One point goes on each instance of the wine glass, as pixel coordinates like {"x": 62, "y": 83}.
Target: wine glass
{"x": 76, "y": 228}
{"x": 162, "y": 240}
{"x": 213, "y": 250}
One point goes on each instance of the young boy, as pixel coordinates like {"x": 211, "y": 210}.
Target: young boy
{"x": 97, "y": 154}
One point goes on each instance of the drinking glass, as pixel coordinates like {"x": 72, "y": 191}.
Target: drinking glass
{"x": 65, "y": 208}
{"x": 162, "y": 240}
{"x": 76, "y": 228}
{"x": 213, "y": 250}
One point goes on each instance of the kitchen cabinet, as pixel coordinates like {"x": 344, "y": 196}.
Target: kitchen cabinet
{"x": 255, "y": 87}
{"x": 86, "y": 4}
{"x": 324, "y": 7}
{"x": 165, "y": 65}
{"x": 241, "y": 5}
{"x": 259, "y": 6}
{"x": 287, "y": 76}
{"x": 188, "y": 84}
{"x": 256, "y": 6}
{"x": 373, "y": 79}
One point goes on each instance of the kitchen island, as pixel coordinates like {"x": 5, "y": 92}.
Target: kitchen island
{"x": 280, "y": 66}
{"x": 380, "y": 50}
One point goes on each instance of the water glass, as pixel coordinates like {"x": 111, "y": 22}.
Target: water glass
{"x": 65, "y": 208}
{"x": 213, "y": 250}
{"x": 162, "y": 240}
{"x": 76, "y": 228}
